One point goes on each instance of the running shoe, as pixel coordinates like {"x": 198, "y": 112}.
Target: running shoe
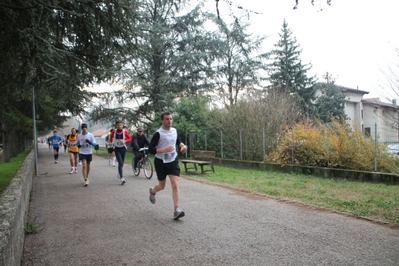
{"x": 152, "y": 197}
{"x": 76, "y": 170}
{"x": 178, "y": 214}
{"x": 79, "y": 163}
{"x": 72, "y": 170}
{"x": 86, "y": 182}
{"x": 123, "y": 181}
{"x": 113, "y": 165}
{"x": 56, "y": 161}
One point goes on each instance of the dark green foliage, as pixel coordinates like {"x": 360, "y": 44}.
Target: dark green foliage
{"x": 57, "y": 48}
{"x": 169, "y": 62}
{"x": 191, "y": 115}
{"x": 331, "y": 101}
{"x": 288, "y": 74}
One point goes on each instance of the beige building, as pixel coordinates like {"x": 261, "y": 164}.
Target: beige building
{"x": 373, "y": 117}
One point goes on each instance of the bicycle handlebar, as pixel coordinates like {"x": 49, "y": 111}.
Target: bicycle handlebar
{"x": 143, "y": 149}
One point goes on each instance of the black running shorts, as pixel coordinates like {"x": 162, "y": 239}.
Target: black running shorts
{"x": 164, "y": 169}
{"x": 85, "y": 157}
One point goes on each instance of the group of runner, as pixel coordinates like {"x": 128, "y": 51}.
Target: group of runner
{"x": 79, "y": 147}
{"x": 162, "y": 145}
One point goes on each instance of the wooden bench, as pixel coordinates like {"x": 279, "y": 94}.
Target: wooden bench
{"x": 196, "y": 155}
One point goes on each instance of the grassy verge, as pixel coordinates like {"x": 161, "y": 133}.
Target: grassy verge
{"x": 375, "y": 201}
{"x": 9, "y": 170}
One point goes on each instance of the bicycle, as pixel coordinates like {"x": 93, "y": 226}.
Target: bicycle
{"x": 144, "y": 163}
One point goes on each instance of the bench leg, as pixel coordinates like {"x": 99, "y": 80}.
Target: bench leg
{"x": 211, "y": 165}
{"x": 202, "y": 168}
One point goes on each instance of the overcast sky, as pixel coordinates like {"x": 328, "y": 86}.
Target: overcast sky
{"x": 351, "y": 39}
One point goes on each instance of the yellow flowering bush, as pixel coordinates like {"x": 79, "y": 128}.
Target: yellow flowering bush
{"x": 334, "y": 145}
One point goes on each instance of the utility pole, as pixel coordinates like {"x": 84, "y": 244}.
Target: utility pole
{"x": 34, "y": 131}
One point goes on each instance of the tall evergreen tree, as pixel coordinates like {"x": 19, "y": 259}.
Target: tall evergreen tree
{"x": 288, "y": 74}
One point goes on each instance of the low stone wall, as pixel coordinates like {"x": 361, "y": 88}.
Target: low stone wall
{"x": 14, "y": 205}
{"x": 374, "y": 177}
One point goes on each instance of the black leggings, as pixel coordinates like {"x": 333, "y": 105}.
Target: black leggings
{"x": 120, "y": 153}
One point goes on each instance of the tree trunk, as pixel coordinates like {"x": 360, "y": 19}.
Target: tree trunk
{"x": 6, "y": 149}
{"x": 14, "y": 142}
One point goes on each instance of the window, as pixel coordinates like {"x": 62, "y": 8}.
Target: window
{"x": 367, "y": 131}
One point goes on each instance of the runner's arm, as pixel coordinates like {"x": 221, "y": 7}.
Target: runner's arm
{"x": 135, "y": 143}
{"x": 146, "y": 141}
{"x": 152, "y": 147}
{"x": 128, "y": 138}
{"x": 111, "y": 137}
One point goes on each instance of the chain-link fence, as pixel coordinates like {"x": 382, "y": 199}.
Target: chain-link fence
{"x": 256, "y": 146}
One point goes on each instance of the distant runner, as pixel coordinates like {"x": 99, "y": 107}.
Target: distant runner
{"x": 120, "y": 137}
{"x": 56, "y": 140}
{"x": 72, "y": 143}
{"x": 86, "y": 141}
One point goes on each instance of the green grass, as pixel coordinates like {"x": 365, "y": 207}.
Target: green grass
{"x": 378, "y": 202}
{"x": 9, "y": 170}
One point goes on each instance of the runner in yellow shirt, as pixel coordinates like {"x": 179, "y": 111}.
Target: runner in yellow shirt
{"x": 72, "y": 142}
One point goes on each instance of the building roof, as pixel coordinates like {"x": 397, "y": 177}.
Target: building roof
{"x": 377, "y": 103}
{"x": 346, "y": 89}
{"x": 100, "y": 132}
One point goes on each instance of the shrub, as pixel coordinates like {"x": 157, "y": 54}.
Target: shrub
{"x": 333, "y": 145}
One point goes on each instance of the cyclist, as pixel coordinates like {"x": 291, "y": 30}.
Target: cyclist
{"x": 139, "y": 141}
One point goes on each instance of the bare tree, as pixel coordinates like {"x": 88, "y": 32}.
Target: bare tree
{"x": 258, "y": 118}
{"x": 389, "y": 91}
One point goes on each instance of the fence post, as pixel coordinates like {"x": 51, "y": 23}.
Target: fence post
{"x": 293, "y": 146}
{"x": 264, "y": 144}
{"x": 206, "y": 142}
{"x": 240, "y": 144}
{"x": 328, "y": 147}
{"x": 375, "y": 148}
{"x": 185, "y": 141}
{"x": 221, "y": 144}
{"x": 192, "y": 137}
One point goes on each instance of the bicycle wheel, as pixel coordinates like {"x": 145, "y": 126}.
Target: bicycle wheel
{"x": 137, "y": 171}
{"x": 147, "y": 167}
